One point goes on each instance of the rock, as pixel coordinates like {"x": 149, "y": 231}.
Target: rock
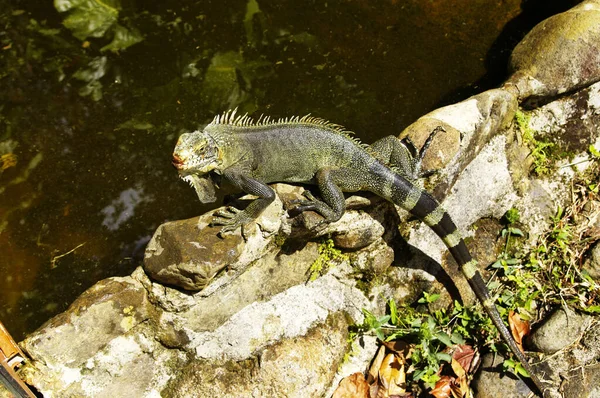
{"x": 572, "y": 121}
{"x": 361, "y": 230}
{"x": 299, "y": 367}
{"x": 189, "y": 253}
{"x": 469, "y": 126}
{"x": 444, "y": 146}
{"x": 561, "y": 329}
{"x": 102, "y": 346}
{"x": 592, "y": 265}
{"x": 116, "y": 340}
{"x": 583, "y": 382}
{"x": 263, "y": 331}
{"x": 577, "y": 363}
{"x": 491, "y": 382}
{"x": 173, "y": 259}
{"x": 559, "y": 54}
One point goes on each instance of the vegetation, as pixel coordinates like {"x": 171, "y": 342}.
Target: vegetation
{"x": 528, "y": 280}
{"x": 540, "y": 150}
{"x": 328, "y": 256}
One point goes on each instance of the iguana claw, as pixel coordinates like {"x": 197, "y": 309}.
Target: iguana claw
{"x": 231, "y": 218}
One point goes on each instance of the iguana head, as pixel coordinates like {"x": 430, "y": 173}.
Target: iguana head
{"x": 196, "y": 153}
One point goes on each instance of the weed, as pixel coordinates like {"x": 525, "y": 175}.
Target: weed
{"x": 540, "y": 150}
{"x": 328, "y": 255}
{"x": 431, "y": 334}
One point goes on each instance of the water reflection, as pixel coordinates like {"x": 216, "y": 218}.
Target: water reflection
{"x": 122, "y": 209}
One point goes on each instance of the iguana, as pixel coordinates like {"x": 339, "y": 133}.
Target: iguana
{"x": 251, "y": 154}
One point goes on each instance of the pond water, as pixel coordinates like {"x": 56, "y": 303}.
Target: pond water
{"x": 93, "y": 98}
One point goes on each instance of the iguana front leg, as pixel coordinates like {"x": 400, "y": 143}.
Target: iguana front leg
{"x": 233, "y": 218}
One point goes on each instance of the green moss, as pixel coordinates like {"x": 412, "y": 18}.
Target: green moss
{"x": 540, "y": 150}
{"x": 328, "y": 255}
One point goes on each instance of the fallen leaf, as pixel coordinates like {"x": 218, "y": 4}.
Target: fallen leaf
{"x": 374, "y": 369}
{"x": 443, "y": 387}
{"x": 518, "y": 327}
{"x": 398, "y": 346}
{"x": 464, "y": 355}
{"x": 392, "y": 376}
{"x": 353, "y": 386}
{"x": 460, "y": 387}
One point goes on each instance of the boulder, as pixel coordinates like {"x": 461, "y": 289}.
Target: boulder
{"x": 560, "y": 54}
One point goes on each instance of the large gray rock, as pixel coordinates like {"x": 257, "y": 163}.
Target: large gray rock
{"x": 560, "y": 54}
{"x": 258, "y": 328}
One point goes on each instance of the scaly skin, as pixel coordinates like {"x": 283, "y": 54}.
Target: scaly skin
{"x": 309, "y": 150}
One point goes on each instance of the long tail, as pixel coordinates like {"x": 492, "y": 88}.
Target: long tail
{"x": 422, "y": 205}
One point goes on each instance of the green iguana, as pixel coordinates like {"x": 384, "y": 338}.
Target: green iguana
{"x": 310, "y": 150}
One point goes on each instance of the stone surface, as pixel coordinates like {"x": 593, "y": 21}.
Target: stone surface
{"x": 583, "y": 382}
{"x": 173, "y": 259}
{"x": 299, "y": 367}
{"x": 103, "y": 346}
{"x": 560, "y": 54}
{"x": 469, "y": 125}
{"x": 189, "y": 253}
{"x": 444, "y": 146}
{"x": 561, "y": 329}
{"x": 265, "y": 331}
{"x": 592, "y": 265}
{"x": 491, "y": 382}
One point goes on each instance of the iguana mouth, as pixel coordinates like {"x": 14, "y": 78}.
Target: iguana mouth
{"x": 178, "y": 162}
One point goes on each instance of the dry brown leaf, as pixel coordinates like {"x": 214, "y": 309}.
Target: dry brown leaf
{"x": 374, "y": 390}
{"x": 392, "y": 376}
{"x": 374, "y": 369}
{"x": 459, "y": 371}
{"x": 518, "y": 327}
{"x": 464, "y": 355}
{"x": 461, "y": 384}
{"x": 443, "y": 388}
{"x": 353, "y": 386}
{"x": 397, "y": 346}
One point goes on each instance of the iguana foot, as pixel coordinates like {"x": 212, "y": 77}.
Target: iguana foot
{"x": 231, "y": 218}
{"x": 308, "y": 195}
{"x": 315, "y": 205}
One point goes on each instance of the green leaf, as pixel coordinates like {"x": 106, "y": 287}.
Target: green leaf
{"x": 457, "y": 338}
{"x": 122, "y": 39}
{"x": 96, "y": 68}
{"x": 442, "y": 356}
{"x": 444, "y": 338}
{"x": 595, "y": 153}
{"x": 393, "y": 311}
{"x": 89, "y": 18}
{"x": 515, "y": 231}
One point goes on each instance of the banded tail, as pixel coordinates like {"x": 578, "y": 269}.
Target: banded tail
{"x": 422, "y": 205}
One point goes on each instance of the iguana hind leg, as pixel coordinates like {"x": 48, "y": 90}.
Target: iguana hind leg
{"x": 331, "y": 182}
{"x": 402, "y": 156}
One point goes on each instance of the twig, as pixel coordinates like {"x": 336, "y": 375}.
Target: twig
{"x": 55, "y": 258}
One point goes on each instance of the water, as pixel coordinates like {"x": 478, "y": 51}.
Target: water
{"x": 86, "y": 135}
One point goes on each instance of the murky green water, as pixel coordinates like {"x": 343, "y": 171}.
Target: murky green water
{"x": 88, "y": 119}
